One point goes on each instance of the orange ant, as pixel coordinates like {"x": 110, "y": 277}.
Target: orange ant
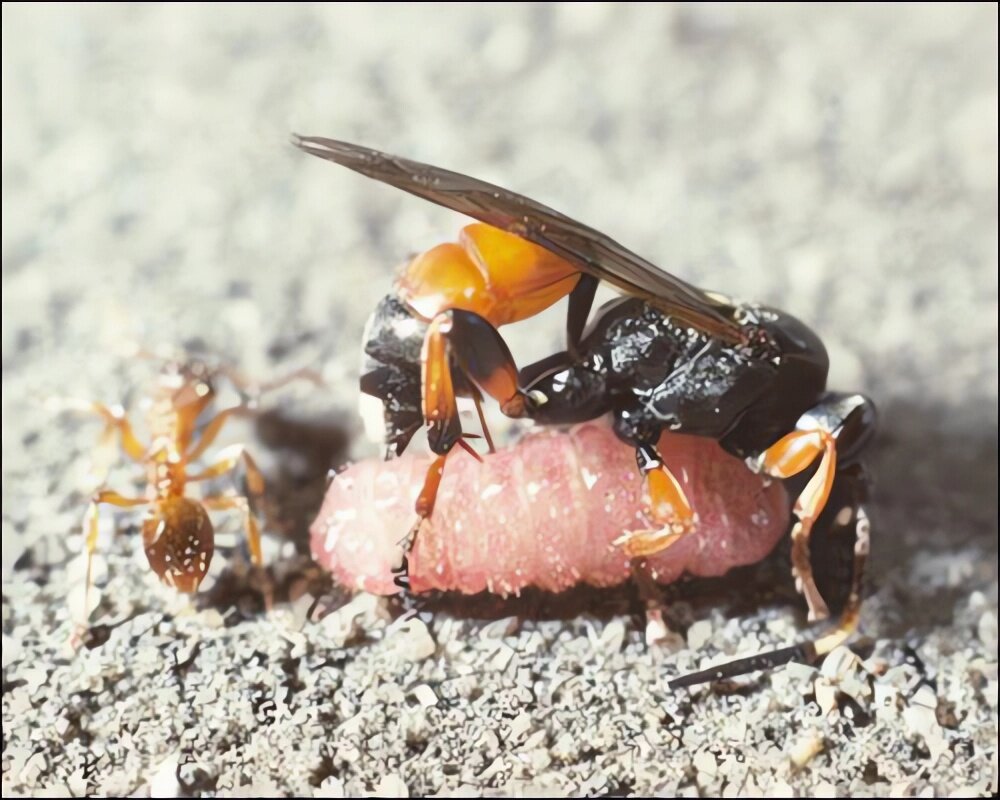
{"x": 177, "y": 533}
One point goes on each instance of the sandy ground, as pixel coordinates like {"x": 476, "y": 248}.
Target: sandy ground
{"x": 840, "y": 163}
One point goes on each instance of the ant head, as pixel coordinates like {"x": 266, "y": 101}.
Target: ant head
{"x": 188, "y": 383}
{"x": 179, "y": 542}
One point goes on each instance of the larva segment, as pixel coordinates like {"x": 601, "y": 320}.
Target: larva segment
{"x": 542, "y": 513}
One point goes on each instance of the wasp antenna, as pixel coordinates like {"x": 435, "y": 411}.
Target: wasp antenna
{"x": 805, "y": 653}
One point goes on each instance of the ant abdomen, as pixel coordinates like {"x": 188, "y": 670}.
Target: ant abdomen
{"x": 179, "y": 542}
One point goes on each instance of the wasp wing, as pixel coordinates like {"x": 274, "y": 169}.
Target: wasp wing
{"x": 592, "y": 251}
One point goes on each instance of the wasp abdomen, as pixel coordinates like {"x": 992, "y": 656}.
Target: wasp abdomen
{"x": 543, "y": 513}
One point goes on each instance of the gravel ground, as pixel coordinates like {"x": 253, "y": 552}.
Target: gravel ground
{"x": 840, "y": 163}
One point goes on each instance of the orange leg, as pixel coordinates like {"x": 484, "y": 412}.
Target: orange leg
{"x": 789, "y": 456}
{"x": 668, "y": 506}
{"x": 439, "y": 406}
{"x": 91, "y": 527}
{"x": 241, "y": 504}
{"x": 252, "y": 529}
{"x": 253, "y": 390}
{"x": 482, "y": 421}
{"x": 481, "y": 354}
{"x": 851, "y": 615}
{"x": 212, "y": 430}
{"x": 115, "y": 420}
{"x": 483, "y": 357}
{"x": 228, "y": 459}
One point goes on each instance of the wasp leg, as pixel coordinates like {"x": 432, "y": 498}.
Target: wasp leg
{"x": 485, "y": 359}
{"x": 668, "y": 506}
{"x": 810, "y": 651}
{"x": 440, "y": 409}
{"x": 228, "y": 460}
{"x": 653, "y": 602}
{"x": 478, "y": 400}
{"x": 478, "y": 350}
{"x": 581, "y": 300}
{"x": 789, "y": 456}
{"x": 91, "y": 527}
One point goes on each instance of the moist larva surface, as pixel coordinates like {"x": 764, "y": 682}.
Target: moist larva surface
{"x": 545, "y": 513}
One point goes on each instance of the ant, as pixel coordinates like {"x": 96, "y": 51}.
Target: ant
{"x": 177, "y": 533}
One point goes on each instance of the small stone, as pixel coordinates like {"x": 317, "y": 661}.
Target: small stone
{"x": 826, "y": 695}
{"x": 805, "y": 749}
{"x": 163, "y": 782}
{"x": 612, "y": 637}
{"x": 11, "y": 651}
{"x": 699, "y": 633}
{"x": 499, "y": 629}
{"x": 488, "y": 744}
{"x": 839, "y": 663}
{"x": 497, "y": 766}
{"x": 425, "y": 695}
{"x": 593, "y": 785}
{"x": 987, "y": 631}
{"x": 391, "y": 786}
{"x": 519, "y": 726}
{"x": 330, "y": 787}
{"x": 705, "y": 763}
{"x": 77, "y": 783}
{"x": 413, "y": 641}
{"x": 502, "y": 657}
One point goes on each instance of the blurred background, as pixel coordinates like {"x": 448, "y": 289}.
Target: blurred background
{"x": 837, "y": 162}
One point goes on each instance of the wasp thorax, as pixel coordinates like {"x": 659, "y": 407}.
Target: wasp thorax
{"x": 179, "y": 543}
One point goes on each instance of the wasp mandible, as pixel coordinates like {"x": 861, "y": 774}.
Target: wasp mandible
{"x": 666, "y": 356}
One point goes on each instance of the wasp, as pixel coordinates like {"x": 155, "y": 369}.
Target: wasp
{"x": 664, "y": 357}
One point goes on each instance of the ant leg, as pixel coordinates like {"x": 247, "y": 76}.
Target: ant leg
{"x": 91, "y": 527}
{"x": 241, "y": 504}
{"x": 668, "y": 506}
{"x": 212, "y": 430}
{"x": 116, "y": 421}
{"x": 789, "y": 456}
{"x": 253, "y": 390}
{"x": 227, "y": 461}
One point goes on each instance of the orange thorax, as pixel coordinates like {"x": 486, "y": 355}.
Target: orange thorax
{"x": 495, "y": 274}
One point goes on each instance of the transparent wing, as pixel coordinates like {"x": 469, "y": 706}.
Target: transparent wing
{"x": 592, "y": 251}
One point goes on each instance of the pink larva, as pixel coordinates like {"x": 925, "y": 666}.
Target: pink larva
{"x": 542, "y": 513}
